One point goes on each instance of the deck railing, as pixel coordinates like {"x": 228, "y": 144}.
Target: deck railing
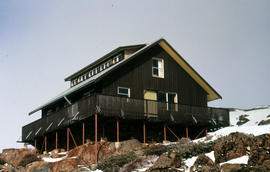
{"x": 127, "y": 108}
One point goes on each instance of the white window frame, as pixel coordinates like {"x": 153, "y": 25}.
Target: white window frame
{"x": 175, "y": 101}
{"x": 160, "y": 68}
{"x": 128, "y": 95}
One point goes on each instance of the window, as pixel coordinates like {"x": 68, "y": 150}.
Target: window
{"x": 158, "y": 68}
{"x": 124, "y": 91}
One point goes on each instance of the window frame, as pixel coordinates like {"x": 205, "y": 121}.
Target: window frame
{"x": 160, "y": 69}
{"x": 123, "y": 94}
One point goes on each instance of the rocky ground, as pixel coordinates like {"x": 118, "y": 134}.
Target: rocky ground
{"x": 134, "y": 156}
{"x": 223, "y": 150}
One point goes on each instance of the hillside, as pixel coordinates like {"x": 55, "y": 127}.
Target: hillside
{"x": 243, "y": 146}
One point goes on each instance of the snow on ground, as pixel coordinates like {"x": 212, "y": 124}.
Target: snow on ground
{"x": 190, "y": 161}
{"x": 49, "y": 159}
{"x": 251, "y": 127}
{"x": 255, "y": 116}
{"x": 240, "y": 160}
{"x": 211, "y": 156}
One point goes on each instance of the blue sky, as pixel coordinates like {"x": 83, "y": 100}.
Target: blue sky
{"x": 42, "y": 42}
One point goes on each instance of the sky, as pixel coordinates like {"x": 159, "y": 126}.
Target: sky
{"x": 42, "y": 42}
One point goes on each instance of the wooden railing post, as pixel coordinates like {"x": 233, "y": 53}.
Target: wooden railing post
{"x": 206, "y": 132}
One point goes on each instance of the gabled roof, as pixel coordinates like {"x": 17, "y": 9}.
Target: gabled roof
{"x": 212, "y": 94}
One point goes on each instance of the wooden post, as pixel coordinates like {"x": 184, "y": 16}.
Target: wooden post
{"x": 117, "y": 130}
{"x": 206, "y": 132}
{"x": 45, "y": 144}
{"x": 56, "y": 140}
{"x": 83, "y": 133}
{"x": 67, "y": 139}
{"x": 36, "y": 145}
{"x": 165, "y": 134}
{"x": 186, "y": 132}
{"x": 144, "y": 132}
{"x": 96, "y": 144}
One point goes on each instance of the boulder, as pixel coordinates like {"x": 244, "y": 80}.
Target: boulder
{"x": 140, "y": 162}
{"x": 264, "y": 122}
{"x": 39, "y": 166}
{"x": 266, "y": 163}
{"x": 204, "y": 163}
{"x": 232, "y": 146}
{"x": 232, "y": 167}
{"x": 86, "y": 152}
{"x": 129, "y": 145}
{"x": 66, "y": 165}
{"x": 242, "y": 120}
{"x": 2, "y": 162}
{"x": 166, "y": 161}
{"x": 260, "y": 150}
{"x": 18, "y": 157}
{"x": 258, "y": 155}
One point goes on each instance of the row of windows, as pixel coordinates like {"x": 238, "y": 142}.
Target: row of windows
{"x": 96, "y": 70}
{"x": 157, "y": 69}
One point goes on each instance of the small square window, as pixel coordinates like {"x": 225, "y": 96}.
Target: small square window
{"x": 158, "y": 67}
{"x": 124, "y": 91}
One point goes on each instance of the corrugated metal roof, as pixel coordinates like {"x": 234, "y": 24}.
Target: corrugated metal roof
{"x": 85, "y": 83}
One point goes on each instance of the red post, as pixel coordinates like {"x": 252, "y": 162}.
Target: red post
{"x": 83, "y": 133}
{"x": 165, "y": 135}
{"x": 144, "y": 132}
{"x": 96, "y": 144}
{"x": 117, "y": 128}
{"x": 56, "y": 140}
{"x": 67, "y": 139}
{"x": 186, "y": 132}
{"x": 206, "y": 132}
{"x": 36, "y": 145}
{"x": 46, "y": 144}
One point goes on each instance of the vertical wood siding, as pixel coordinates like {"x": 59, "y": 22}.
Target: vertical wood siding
{"x": 137, "y": 75}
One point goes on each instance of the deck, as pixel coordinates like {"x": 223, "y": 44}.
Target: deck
{"x": 126, "y": 108}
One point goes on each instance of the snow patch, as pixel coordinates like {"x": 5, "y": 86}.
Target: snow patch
{"x": 240, "y": 160}
{"x": 190, "y": 161}
{"x": 49, "y": 159}
{"x": 211, "y": 155}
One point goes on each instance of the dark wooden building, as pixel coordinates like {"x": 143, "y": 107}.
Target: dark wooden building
{"x": 147, "y": 91}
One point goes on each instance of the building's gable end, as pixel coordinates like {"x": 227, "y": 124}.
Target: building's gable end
{"x": 212, "y": 94}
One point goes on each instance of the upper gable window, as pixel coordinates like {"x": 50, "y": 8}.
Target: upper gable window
{"x": 158, "y": 67}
